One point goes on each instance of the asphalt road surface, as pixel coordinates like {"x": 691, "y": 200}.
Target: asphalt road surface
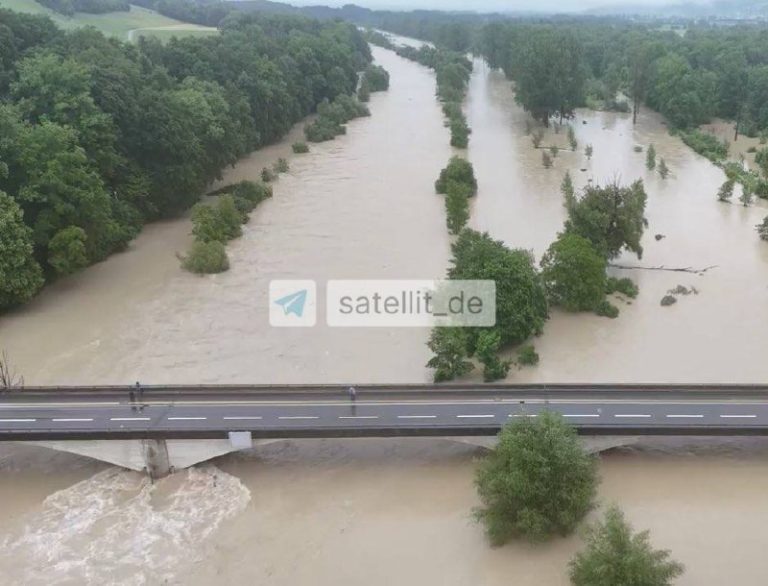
{"x": 332, "y": 411}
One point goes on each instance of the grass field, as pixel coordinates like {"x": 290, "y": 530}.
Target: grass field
{"x": 125, "y": 25}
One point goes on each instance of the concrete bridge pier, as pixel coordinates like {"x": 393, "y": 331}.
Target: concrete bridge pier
{"x": 156, "y": 457}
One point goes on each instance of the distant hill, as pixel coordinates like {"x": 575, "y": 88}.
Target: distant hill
{"x": 737, "y": 9}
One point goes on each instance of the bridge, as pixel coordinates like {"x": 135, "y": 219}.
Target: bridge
{"x": 161, "y": 428}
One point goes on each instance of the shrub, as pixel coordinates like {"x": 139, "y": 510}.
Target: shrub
{"x": 650, "y": 158}
{"x": 663, "y": 169}
{"x": 460, "y": 171}
{"x": 546, "y": 159}
{"x": 607, "y": 309}
{"x": 488, "y": 345}
{"x": 726, "y": 190}
{"x": 217, "y": 223}
{"x": 267, "y": 175}
{"x": 281, "y": 166}
{"x": 572, "y": 138}
{"x": 322, "y": 129}
{"x": 537, "y": 483}
{"x": 762, "y": 229}
{"x": 527, "y": 356}
{"x": 450, "y": 348}
{"x": 206, "y": 258}
{"x": 300, "y": 148}
{"x": 457, "y": 206}
{"x": 252, "y": 191}
{"x": 625, "y": 286}
{"x": 707, "y": 145}
{"x": 614, "y": 555}
{"x": 588, "y": 150}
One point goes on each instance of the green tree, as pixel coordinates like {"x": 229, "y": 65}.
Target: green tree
{"x": 567, "y": 189}
{"x": 611, "y": 218}
{"x": 450, "y": 348}
{"x": 725, "y": 193}
{"x": 220, "y": 223}
{"x": 457, "y": 206}
{"x": 537, "y": 483}
{"x": 650, "y": 158}
{"x": 206, "y": 258}
{"x": 20, "y": 275}
{"x": 460, "y": 171}
{"x": 615, "y": 555}
{"x": 488, "y": 346}
{"x": 66, "y": 250}
{"x": 663, "y": 169}
{"x": 573, "y": 273}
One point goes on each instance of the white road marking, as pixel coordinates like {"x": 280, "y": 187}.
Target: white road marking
{"x": 632, "y": 415}
{"x": 581, "y": 415}
{"x": 522, "y": 414}
{"x": 677, "y": 416}
{"x": 186, "y": 418}
{"x": 299, "y": 417}
{"x": 17, "y": 420}
{"x": 242, "y": 417}
{"x": 358, "y": 416}
{"x": 71, "y": 420}
{"x": 129, "y": 419}
{"x": 474, "y": 416}
{"x": 738, "y": 416}
{"x": 417, "y": 416}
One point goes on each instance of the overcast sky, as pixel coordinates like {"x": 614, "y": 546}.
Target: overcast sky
{"x": 486, "y": 5}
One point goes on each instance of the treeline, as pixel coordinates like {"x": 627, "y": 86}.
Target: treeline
{"x": 69, "y": 7}
{"x": 98, "y": 136}
{"x": 452, "y": 71}
{"x": 689, "y": 79}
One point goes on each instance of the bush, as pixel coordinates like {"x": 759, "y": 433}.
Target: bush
{"x": 546, "y": 159}
{"x": 625, "y": 286}
{"x": 377, "y": 78}
{"x": 762, "y": 229}
{"x": 706, "y": 144}
{"x": 450, "y": 348}
{"x": 252, "y": 191}
{"x": 663, "y": 169}
{"x": 650, "y": 158}
{"x": 281, "y": 166}
{"x": 217, "y": 223}
{"x": 537, "y": 483}
{"x": 573, "y": 274}
{"x": 614, "y": 555}
{"x": 322, "y": 129}
{"x": 459, "y": 171}
{"x": 300, "y": 148}
{"x": 488, "y": 345}
{"x": 588, "y": 150}
{"x": 607, "y": 309}
{"x": 267, "y": 175}
{"x": 527, "y": 356}
{"x": 725, "y": 193}
{"x": 206, "y": 258}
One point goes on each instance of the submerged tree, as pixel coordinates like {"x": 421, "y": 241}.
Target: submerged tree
{"x": 538, "y": 482}
{"x": 762, "y": 229}
{"x": 572, "y": 138}
{"x": 588, "y": 150}
{"x": 457, "y": 206}
{"x": 488, "y": 346}
{"x": 460, "y": 171}
{"x": 546, "y": 159}
{"x": 663, "y": 169}
{"x": 450, "y": 348}
{"x": 573, "y": 274}
{"x": 650, "y": 158}
{"x": 567, "y": 189}
{"x": 611, "y": 217}
{"x": 615, "y": 555}
{"x": 725, "y": 193}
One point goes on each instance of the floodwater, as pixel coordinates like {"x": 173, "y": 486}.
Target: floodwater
{"x": 384, "y": 511}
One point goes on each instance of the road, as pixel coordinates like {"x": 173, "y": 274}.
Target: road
{"x": 414, "y": 410}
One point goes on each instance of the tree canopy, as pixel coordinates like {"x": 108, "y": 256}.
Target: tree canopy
{"x": 538, "y": 482}
{"x": 573, "y": 273}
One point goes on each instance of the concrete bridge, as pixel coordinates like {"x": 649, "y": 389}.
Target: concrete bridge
{"x": 161, "y": 429}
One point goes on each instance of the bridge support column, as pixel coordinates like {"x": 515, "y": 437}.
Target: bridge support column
{"x": 156, "y": 460}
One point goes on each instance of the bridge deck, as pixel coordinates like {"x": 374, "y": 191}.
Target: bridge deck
{"x": 410, "y": 410}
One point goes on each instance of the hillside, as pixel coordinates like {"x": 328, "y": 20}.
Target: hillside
{"x": 125, "y": 25}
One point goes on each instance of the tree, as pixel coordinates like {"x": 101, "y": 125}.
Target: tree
{"x": 588, "y": 150}
{"x": 206, "y": 258}
{"x": 488, "y": 346}
{"x": 20, "y": 275}
{"x": 459, "y": 171}
{"x": 217, "y": 223}
{"x": 747, "y": 192}
{"x": 615, "y": 555}
{"x": 457, "y": 206}
{"x": 725, "y": 193}
{"x": 450, "y": 348}
{"x": 663, "y": 169}
{"x": 567, "y": 189}
{"x": 573, "y": 274}
{"x": 611, "y": 218}
{"x": 537, "y": 483}
{"x": 650, "y": 158}
{"x": 572, "y": 138}
{"x": 66, "y": 250}
{"x": 762, "y": 229}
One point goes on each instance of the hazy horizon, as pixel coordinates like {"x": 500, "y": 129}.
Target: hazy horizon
{"x": 491, "y": 5}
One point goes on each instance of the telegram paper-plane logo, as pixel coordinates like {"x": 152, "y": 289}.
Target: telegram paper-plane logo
{"x": 292, "y": 304}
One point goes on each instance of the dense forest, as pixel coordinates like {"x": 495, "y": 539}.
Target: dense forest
{"x": 99, "y": 136}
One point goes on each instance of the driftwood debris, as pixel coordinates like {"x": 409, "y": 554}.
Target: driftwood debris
{"x": 663, "y": 268}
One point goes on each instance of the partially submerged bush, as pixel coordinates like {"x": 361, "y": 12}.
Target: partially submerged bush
{"x": 607, "y": 309}
{"x": 267, "y": 175}
{"x": 459, "y": 171}
{"x": 625, "y": 286}
{"x": 220, "y": 223}
{"x": 527, "y": 356}
{"x": 281, "y": 166}
{"x": 300, "y": 148}
{"x": 206, "y": 258}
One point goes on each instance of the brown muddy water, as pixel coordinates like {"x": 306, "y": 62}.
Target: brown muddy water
{"x": 386, "y": 511}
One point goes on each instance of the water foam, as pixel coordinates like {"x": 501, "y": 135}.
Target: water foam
{"x": 118, "y": 528}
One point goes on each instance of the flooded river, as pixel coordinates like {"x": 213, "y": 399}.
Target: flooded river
{"x": 384, "y": 511}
